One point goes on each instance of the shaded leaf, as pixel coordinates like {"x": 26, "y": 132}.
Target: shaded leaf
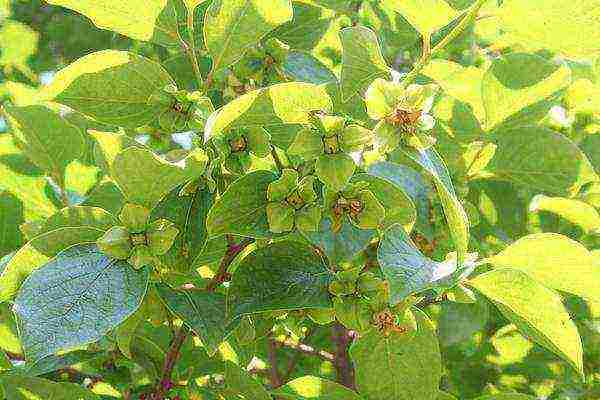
{"x": 575, "y": 211}
{"x": 27, "y": 388}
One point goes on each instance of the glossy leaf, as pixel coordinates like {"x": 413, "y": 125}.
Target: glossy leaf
{"x": 242, "y": 208}
{"x": 362, "y": 61}
{"x": 46, "y": 138}
{"x": 38, "y": 252}
{"x": 537, "y": 311}
{"x": 204, "y": 312}
{"x": 553, "y": 260}
{"x": 113, "y": 87}
{"x": 86, "y": 294}
{"x": 515, "y": 88}
{"x": 282, "y": 276}
{"x": 231, "y": 27}
{"x": 541, "y": 159}
{"x": 273, "y": 106}
{"x": 146, "y": 178}
{"x": 399, "y": 366}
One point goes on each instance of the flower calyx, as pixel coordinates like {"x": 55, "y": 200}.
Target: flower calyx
{"x": 357, "y": 204}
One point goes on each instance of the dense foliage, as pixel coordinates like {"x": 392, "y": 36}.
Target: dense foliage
{"x": 308, "y": 199}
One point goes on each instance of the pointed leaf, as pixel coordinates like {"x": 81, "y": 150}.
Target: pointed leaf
{"x": 400, "y": 366}
{"x": 204, "y": 312}
{"x": 80, "y": 216}
{"x": 537, "y": 311}
{"x": 241, "y": 210}
{"x": 45, "y": 137}
{"x": 240, "y": 384}
{"x": 114, "y": 87}
{"x": 273, "y": 106}
{"x": 282, "y": 276}
{"x": 362, "y": 61}
{"x": 146, "y": 178}
{"x": 100, "y": 294}
{"x": 335, "y": 170}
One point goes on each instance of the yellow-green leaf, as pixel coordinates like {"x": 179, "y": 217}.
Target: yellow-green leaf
{"x": 427, "y": 16}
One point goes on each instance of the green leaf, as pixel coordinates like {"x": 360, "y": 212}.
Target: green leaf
{"x": 516, "y": 86}
{"x": 204, "y": 312}
{"x": 38, "y": 252}
{"x": 506, "y": 396}
{"x": 47, "y": 139}
{"x": 406, "y": 269}
{"x": 427, "y": 16}
{"x": 153, "y": 21}
{"x": 335, "y": 170}
{"x": 303, "y": 67}
{"x": 362, "y": 61}
{"x": 241, "y": 210}
{"x": 19, "y": 387}
{"x": 574, "y": 211}
{"x": 400, "y": 366}
{"x": 18, "y": 42}
{"x": 146, "y": 178}
{"x": 273, "y": 106}
{"x": 101, "y": 293}
{"x": 10, "y": 237}
{"x": 313, "y": 387}
{"x": 240, "y": 384}
{"x": 553, "y": 260}
{"x": 9, "y": 336}
{"x": 457, "y": 219}
{"x": 537, "y": 311}
{"x": 574, "y": 25}
{"x": 343, "y": 244}
{"x": 282, "y": 276}
{"x": 188, "y": 211}
{"x": 54, "y": 363}
{"x": 541, "y": 159}
{"x": 231, "y": 27}
{"x": 80, "y": 217}
{"x": 108, "y": 144}
{"x": 113, "y": 87}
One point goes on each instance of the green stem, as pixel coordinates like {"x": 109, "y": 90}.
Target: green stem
{"x": 276, "y": 158}
{"x": 191, "y": 48}
{"x": 428, "y": 55}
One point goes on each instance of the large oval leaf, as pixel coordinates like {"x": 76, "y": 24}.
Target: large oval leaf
{"x": 537, "y": 311}
{"x": 85, "y": 295}
{"x": 282, "y": 276}
{"x": 400, "y": 366}
{"x": 111, "y": 86}
{"x": 274, "y": 106}
{"x": 313, "y": 387}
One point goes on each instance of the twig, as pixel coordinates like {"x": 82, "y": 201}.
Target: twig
{"x": 427, "y": 55}
{"x": 274, "y": 376}
{"x": 309, "y": 350}
{"x": 232, "y": 252}
{"x": 343, "y": 367}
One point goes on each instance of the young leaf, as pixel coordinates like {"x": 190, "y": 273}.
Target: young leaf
{"x": 362, "y": 61}
{"x": 231, "y": 27}
{"x": 113, "y": 87}
{"x": 273, "y": 106}
{"x": 537, "y": 311}
{"x": 204, "y": 312}
{"x": 153, "y": 20}
{"x": 516, "y": 86}
{"x": 145, "y": 178}
{"x": 39, "y": 251}
{"x": 241, "y": 210}
{"x": 312, "y": 387}
{"x": 575, "y": 25}
{"x": 427, "y": 16}
{"x": 19, "y": 387}
{"x": 458, "y": 221}
{"x": 282, "y": 276}
{"x": 575, "y": 211}
{"x": 45, "y": 138}
{"x": 541, "y": 159}
{"x": 553, "y": 260}
{"x": 343, "y": 244}
{"x": 100, "y": 294}
{"x": 399, "y": 366}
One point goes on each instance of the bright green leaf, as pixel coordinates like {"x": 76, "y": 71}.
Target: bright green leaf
{"x": 574, "y": 211}
{"x": 19, "y": 387}
{"x": 427, "y": 16}
{"x": 312, "y": 387}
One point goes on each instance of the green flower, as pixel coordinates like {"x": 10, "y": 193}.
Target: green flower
{"x": 183, "y": 109}
{"x": 138, "y": 240}
{"x": 355, "y": 203}
{"x": 403, "y": 114}
{"x": 331, "y": 142}
{"x": 292, "y": 203}
{"x": 235, "y": 147}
